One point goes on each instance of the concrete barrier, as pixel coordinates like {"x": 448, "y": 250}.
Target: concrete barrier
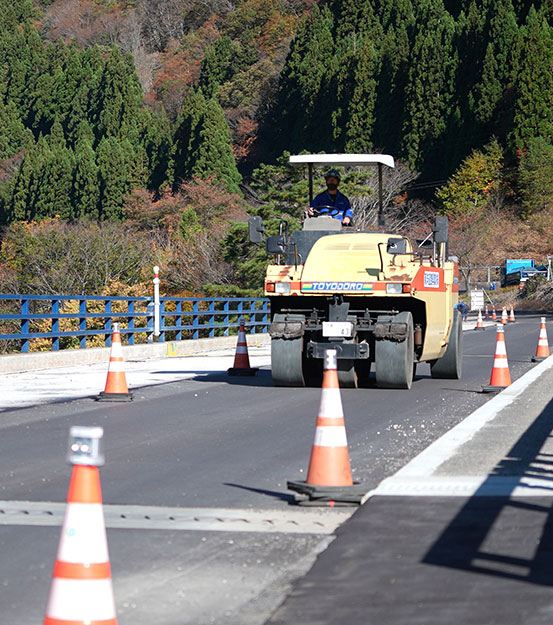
{"x": 12, "y": 363}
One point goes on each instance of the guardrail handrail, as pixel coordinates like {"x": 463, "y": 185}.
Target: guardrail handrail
{"x": 27, "y": 318}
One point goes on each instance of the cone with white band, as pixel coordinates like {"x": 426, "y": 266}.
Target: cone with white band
{"x": 487, "y": 315}
{"x": 480, "y": 322}
{"x": 116, "y": 382}
{"x": 329, "y": 480}
{"x": 504, "y": 316}
{"x": 241, "y": 357}
{"x": 500, "y": 377}
{"x": 81, "y": 592}
{"x": 542, "y": 351}
{"x": 329, "y": 464}
{"x": 512, "y": 315}
{"x": 494, "y": 314}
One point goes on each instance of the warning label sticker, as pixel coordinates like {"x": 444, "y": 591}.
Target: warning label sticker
{"x": 432, "y": 279}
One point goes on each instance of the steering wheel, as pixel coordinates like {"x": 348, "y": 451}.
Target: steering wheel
{"x": 317, "y": 213}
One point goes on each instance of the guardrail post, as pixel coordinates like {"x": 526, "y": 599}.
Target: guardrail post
{"x": 150, "y": 322}
{"x": 130, "y": 322}
{"x": 239, "y": 310}
{"x": 212, "y": 318}
{"x": 266, "y": 316}
{"x": 252, "y": 316}
{"x": 195, "y": 319}
{"x": 55, "y": 324}
{"x": 24, "y": 325}
{"x": 178, "y": 321}
{"x": 82, "y": 323}
{"x": 107, "y": 323}
{"x": 226, "y": 318}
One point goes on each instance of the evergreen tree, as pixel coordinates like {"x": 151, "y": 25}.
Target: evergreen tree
{"x": 187, "y": 136}
{"x": 430, "y": 88}
{"x": 497, "y": 63}
{"x": 86, "y": 184}
{"x": 301, "y": 119}
{"x": 216, "y": 66}
{"x": 362, "y": 103}
{"x": 533, "y": 83}
{"x": 214, "y": 156}
{"x": 13, "y": 134}
{"x": 54, "y": 197}
{"x": 536, "y": 175}
{"x": 113, "y": 178}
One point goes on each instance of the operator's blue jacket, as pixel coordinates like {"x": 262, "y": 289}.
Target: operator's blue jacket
{"x": 342, "y": 207}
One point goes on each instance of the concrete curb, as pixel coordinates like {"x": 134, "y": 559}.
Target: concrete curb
{"x": 16, "y": 363}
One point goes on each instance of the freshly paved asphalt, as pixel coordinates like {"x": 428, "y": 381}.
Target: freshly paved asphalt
{"x": 213, "y": 441}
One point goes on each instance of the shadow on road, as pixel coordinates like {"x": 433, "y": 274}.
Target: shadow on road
{"x": 271, "y": 493}
{"x": 506, "y": 536}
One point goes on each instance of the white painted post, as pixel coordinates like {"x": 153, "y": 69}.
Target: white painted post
{"x": 156, "y": 301}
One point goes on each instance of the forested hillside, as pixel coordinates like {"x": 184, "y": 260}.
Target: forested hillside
{"x": 171, "y": 119}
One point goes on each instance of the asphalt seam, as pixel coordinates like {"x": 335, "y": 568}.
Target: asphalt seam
{"x": 293, "y": 521}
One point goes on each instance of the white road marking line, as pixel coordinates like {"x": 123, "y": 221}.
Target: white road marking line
{"x": 411, "y": 479}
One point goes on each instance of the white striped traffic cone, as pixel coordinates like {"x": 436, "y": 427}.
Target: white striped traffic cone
{"x": 500, "y": 377}
{"x": 512, "y": 315}
{"x": 542, "y": 350}
{"x": 329, "y": 464}
{"x": 241, "y": 357}
{"x": 504, "y": 316}
{"x": 480, "y": 322}
{"x": 116, "y": 382}
{"x": 329, "y": 480}
{"x": 81, "y": 592}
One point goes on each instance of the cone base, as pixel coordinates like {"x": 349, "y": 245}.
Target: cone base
{"x": 539, "y": 358}
{"x": 482, "y": 328}
{"x": 493, "y": 389}
{"x": 310, "y": 495}
{"x": 242, "y": 370}
{"x": 103, "y": 396}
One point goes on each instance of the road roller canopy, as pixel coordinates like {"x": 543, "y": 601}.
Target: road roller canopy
{"x": 342, "y": 159}
{"x": 346, "y": 159}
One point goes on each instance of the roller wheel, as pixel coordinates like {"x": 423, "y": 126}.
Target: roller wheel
{"x": 287, "y": 359}
{"x": 450, "y": 365}
{"x": 395, "y": 361}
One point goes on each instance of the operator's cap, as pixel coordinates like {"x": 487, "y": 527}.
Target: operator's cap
{"x": 332, "y": 173}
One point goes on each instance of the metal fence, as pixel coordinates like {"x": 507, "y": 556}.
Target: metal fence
{"x": 45, "y": 323}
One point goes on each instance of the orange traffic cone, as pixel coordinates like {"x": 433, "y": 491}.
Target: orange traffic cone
{"x": 329, "y": 477}
{"x": 500, "y": 378}
{"x": 329, "y": 463}
{"x": 504, "y": 316}
{"x": 494, "y": 314}
{"x": 241, "y": 358}
{"x": 480, "y": 322}
{"x": 542, "y": 350}
{"x": 81, "y": 591}
{"x": 116, "y": 383}
{"x": 487, "y": 316}
{"x": 512, "y": 315}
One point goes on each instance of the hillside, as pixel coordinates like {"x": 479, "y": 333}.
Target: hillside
{"x": 172, "y": 117}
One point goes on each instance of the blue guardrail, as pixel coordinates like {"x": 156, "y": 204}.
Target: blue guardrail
{"x": 67, "y": 321}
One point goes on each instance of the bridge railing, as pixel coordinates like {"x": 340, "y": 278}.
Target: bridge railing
{"x": 45, "y": 323}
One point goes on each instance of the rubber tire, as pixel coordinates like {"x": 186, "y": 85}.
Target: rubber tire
{"x": 450, "y": 365}
{"x": 394, "y": 362}
{"x": 287, "y": 358}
